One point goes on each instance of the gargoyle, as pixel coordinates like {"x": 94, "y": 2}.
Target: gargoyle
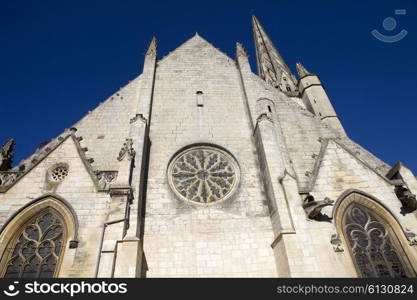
{"x": 313, "y": 208}
{"x": 408, "y": 199}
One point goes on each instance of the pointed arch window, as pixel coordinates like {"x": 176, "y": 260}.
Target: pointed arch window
{"x": 374, "y": 247}
{"x": 35, "y": 250}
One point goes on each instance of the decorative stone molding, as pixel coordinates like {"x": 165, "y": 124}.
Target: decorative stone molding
{"x": 6, "y": 155}
{"x": 8, "y": 177}
{"x": 138, "y": 117}
{"x": 411, "y": 237}
{"x": 105, "y": 178}
{"x": 264, "y": 117}
{"x": 313, "y": 208}
{"x": 336, "y": 243}
{"x": 127, "y": 150}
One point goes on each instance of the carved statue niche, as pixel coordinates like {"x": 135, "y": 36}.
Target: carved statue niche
{"x": 313, "y": 208}
{"x": 6, "y": 155}
{"x": 408, "y": 199}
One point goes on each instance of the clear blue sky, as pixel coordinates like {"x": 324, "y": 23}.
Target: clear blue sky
{"x": 59, "y": 59}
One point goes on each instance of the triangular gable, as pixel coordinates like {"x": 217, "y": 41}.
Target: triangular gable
{"x": 325, "y": 155}
{"x": 193, "y": 41}
{"x": 41, "y": 154}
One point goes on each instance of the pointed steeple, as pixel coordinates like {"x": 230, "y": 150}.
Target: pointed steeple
{"x": 302, "y": 71}
{"x": 152, "y": 47}
{"x": 271, "y": 66}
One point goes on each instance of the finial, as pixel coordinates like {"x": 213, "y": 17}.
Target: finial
{"x": 6, "y": 155}
{"x": 152, "y": 47}
{"x": 240, "y": 51}
{"x": 301, "y": 70}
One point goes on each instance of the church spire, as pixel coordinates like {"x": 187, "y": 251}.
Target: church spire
{"x": 302, "y": 71}
{"x": 271, "y": 66}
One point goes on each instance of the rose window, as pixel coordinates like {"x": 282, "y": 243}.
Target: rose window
{"x": 59, "y": 173}
{"x": 203, "y": 174}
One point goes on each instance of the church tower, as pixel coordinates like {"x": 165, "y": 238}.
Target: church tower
{"x": 199, "y": 167}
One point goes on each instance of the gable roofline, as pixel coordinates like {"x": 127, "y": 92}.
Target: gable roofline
{"x": 36, "y": 158}
{"x": 321, "y": 155}
{"x": 195, "y": 36}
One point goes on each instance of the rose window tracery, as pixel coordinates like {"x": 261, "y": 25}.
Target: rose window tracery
{"x": 203, "y": 174}
{"x": 59, "y": 172}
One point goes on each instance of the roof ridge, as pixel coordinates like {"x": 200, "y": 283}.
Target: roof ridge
{"x": 25, "y": 166}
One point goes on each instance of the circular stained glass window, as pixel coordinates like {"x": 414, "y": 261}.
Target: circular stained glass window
{"x": 203, "y": 174}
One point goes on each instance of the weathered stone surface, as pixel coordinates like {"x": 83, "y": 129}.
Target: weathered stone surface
{"x": 275, "y": 149}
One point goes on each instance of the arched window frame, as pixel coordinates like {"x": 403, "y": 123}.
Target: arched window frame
{"x": 379, "y": 210}
{"x": 12, "y": 228}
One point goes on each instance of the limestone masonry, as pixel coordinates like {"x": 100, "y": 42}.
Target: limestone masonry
{"x": 200, "y": 168}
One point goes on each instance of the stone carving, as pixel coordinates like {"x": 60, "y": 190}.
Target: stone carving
{"x": 7, "y": 178}
{"x": 138, "y": 117}
{"x": 203, "y": 174}
{"x": 408, "y": 199}
{"x": 411, "y": 237}
{"x": 264, "y": 117}
{"x": 127, "y": 150}
{"x": 337, "y": 243}
{"x": 313, "y": 208}
{"x": 6, "y": 155}
{"x": 105, "y": 178}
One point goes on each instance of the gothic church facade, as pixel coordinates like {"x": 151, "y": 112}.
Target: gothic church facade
{"x": 200, "y": 168}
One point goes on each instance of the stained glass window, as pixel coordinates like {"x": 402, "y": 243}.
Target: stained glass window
{"x": 372, "y": 244}
{"x": 35, "y": 251}
{"x": 203, "y": 175}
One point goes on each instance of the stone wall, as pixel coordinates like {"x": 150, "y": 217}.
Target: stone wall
{"x": 78, "y": 189}
{"x": 230, "y": 239}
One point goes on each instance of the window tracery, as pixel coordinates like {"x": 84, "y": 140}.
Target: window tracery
{"x": 372, "y": 244}
{"x": 203, "y": 174}
{"x": 35, "y": 251}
